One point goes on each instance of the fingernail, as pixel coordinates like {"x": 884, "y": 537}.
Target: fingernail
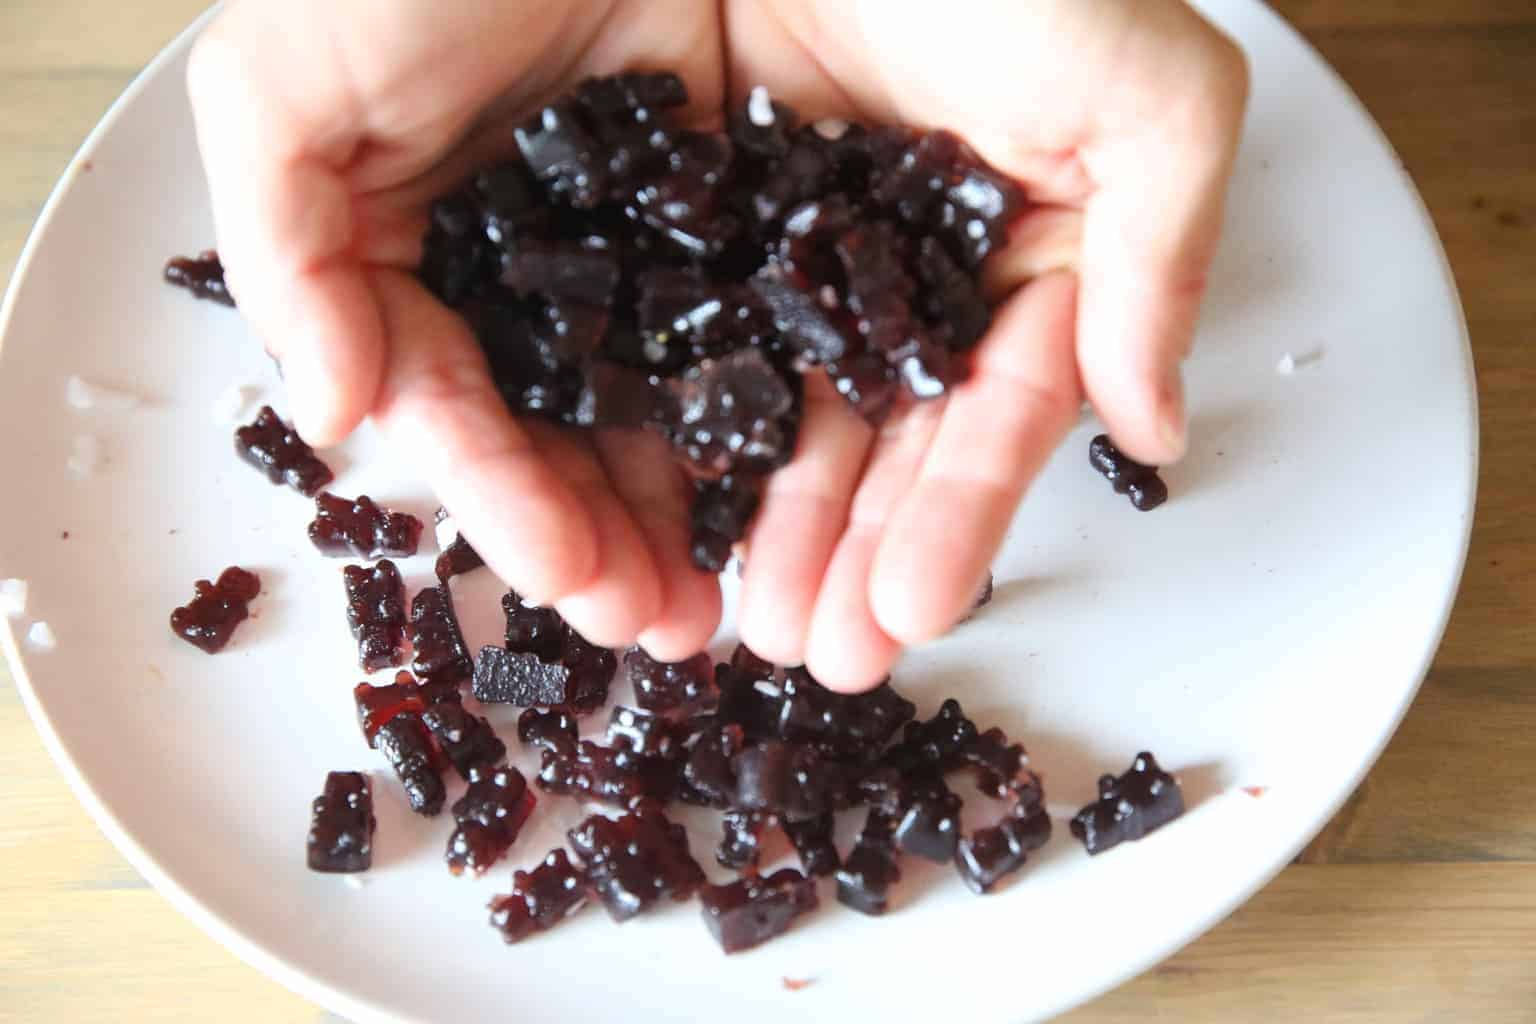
{"x": 306, "y": 399}
{"x": 1171, "y": 426}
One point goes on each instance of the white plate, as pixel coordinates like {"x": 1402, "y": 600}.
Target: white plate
{"x": 1267, "y": 628}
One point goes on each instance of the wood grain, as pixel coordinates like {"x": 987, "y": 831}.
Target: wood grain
{"x": 1417, "y": 904}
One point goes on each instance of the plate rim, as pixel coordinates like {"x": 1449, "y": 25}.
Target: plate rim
{"x": 286, "y": 973}
{"x": 304, "y": 984}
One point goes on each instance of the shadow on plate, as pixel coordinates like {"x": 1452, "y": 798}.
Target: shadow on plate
{"x": 1224, "y": 443}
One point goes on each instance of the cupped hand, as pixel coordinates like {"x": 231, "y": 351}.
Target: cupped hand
{"x": 326, "y": 130}
{"x": 1121, "y": 119}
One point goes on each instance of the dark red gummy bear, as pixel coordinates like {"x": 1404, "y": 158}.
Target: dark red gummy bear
{"x": 709, "y": 775}
{"x": 592, "y": 668}
{"x": 738, "y": 413}
{"x": 540, "y": 899}
{"x": 812, "y": 840}
{"x": 752, "y": 910}
{"x": 788, "y": 779}
{"x": 547, "y": 727}
{"x": 636, "y": 860}
{"x": 271, "y": 446}
{"x": 378, "y": 704}
{"x": 989, "y": 854}
{"x": 532, "y": 629}
{"x": 202, "y": 275}
{"x": 545, "y": 663}
{"x": 1130, "y": 806}
{"x": 467, "y": 740}
{"x": 489, "y": 817}
{"x": 929, "y": 825}
{"x": 362, "y": 529}
{"x": 840, "y": 724}
{"x": 682, "y": 687}
{"x": 615, "y": 775}
{"x": 458, "y": 557}
{"x": 868, "y": 872}
{"x": 749, "y": 700}
{"x": 937, "y": 745}
{"x": 342, "y": 824}
{"x": 376, "y": 613}
{"x": 1000, "y": 766}
{"x": 743, "y": 833}
{"x": 406, "y": 745}
{"x": 209, "y": 620}
{"x": 440, "y": 656}
{"x": 1138, "y": 482}
{"x": 744, "y": 661}
{"x": 630, "y": 272}
{"x": 582, "y": 671}
{"x": 721, "y": 512}
{"x": 646, "y": 733}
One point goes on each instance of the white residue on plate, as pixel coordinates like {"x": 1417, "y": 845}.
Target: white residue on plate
{"x": 40, "y": 637}
{"x": 84, "y": 457}
{"x": 760, "y": 107}
{"x": 1290, "y": 362}
{"x": 233, "y": 401}
{"x": 82, "y": 394}
{"x": 830, "y": 128}
{"x": 13, "y": 598}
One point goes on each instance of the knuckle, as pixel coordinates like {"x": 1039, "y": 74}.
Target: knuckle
{"x": 1223, "y": 78}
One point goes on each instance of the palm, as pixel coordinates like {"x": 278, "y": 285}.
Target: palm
{"x": 880, "y": 538}
{"x": 1121, "y": 120}
{"x": 598, "y": 523}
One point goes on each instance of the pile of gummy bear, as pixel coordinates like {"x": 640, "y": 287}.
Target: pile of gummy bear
{"x": 628, "y": 273}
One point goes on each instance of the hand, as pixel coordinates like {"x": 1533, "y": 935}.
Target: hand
{"x": 1124, "y": 117}
{"x": 324, "y": 145}
{"x": 326, "y": 129}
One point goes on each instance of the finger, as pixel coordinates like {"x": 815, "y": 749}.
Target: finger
{"x": 328, "y": 340}
{"x": 1046, "y": 238}
{"x": 998, "y": 430}
{"x": 441, "y": 414}
{"x": 624, "y": 594}
{"x": 649, "y": 484}
{"x": 291, "y": 125}
{"x": 845, "y": 647}
{"x": 1150, "y": 232}
{"x": 804, "y": 510}
{"x": 284, "y": 227}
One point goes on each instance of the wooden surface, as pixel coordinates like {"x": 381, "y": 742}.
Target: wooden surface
{"x": 1417, "y": 904}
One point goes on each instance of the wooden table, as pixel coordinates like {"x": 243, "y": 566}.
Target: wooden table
{"x": 1417, "y": 904}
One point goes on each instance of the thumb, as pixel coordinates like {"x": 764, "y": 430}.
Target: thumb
{"x": 285, "y": 225}
{"x": 1150, "y": 230}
